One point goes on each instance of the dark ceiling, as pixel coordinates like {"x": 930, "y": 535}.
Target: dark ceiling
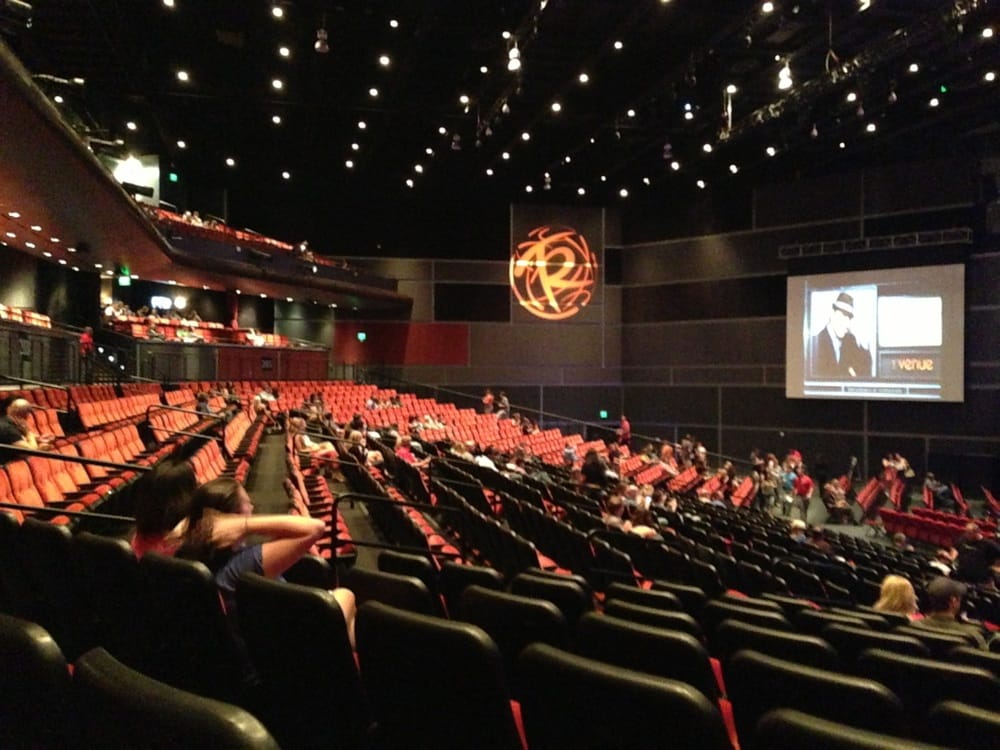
{"x": 871, "y": 81}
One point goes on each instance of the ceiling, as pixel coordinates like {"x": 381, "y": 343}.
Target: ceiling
{"x": 870, "y": 81}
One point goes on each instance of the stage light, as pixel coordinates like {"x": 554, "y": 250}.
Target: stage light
{"x": 583, "y": 78}
{"x": 701, "y": 184}
{"x": 322, "y": 43}
{"x": 623, "y": 193}
{"x": 230, "y": 161}
{"x": 556, "y": 107}
{"x": 384, "y": 61}
{"x": 770, "y": 151}
{"x": 183, "y": 76}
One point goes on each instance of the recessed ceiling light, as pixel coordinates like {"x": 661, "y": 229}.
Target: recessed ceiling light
{"x": 528, "y": 189}
{"x": 914, "y": 68}
{"x": 62, "y": 261}
{"x": 47, "y": 254}
{"x": 619, "y": 44}
{"x": 604, "y": 178}
{"x": 14, "y": 214}
{"x": 646, "y": 181}
{"x": 58, "y": 99}
{"x": 98, "y": 265}
{"x": 987, "y": 32}
{"x": 505, "y": 155}
{"x": 355, "y": 147}
{"x": 230, "y": 161}
{"x": 770, "y": 151}
{"x": 734, "y": 168}
{"x": 707, "y": 148}
{"x": 70, "y": 249}
{"x": 168, "y": 3}
{"x": 443, "y": 130}
{"x": 205, "y": 287}
{"x": 623, "y": 193}
{"x": 54, "y": 240}
{"x": 409, "y": 182}
{"x": 556, "y": 107}
{"x": 35, "y": 228}
{"x": 289, "y": 299}
{"x": 581, "y": 191}
{"x": 700, "y": 184}
{"x": 675, "y": 165}
{"x": 767, "y": 7}
{"x": 263, "y": 296}
{"x": 429, "y": 151}
{"x": 505, "y": 34}
{"x": 689, "y": 115}
{"x": 525, "y": 136}
{"x": 10, "y": 234}
{"x": 183, "y": 76}
{"x": 182, "y": 144}
{"x": 393, "y": 23}
{"x": 583, "y": 78}
{"x": 373, "y": 92}
{"x": 349, "y": 164}
{"x": 842, "y": 144}
{"x": 362, "y": 124}
{"x": 630, "y": 113}
{"x": 489, "y": 171}
{"x": 284, "y": 51}
{"x": 77, "y": 269}
{"x": 131, "y": 125}
{"x": 990, "y": 76}
{"x": 277, "y": 84}
{"x": 384, "y": 60}
{"x": 568, "y": 159}
{"x": 852, "y": 96}
{"x": 418, "y": 168}
{"x": 933, "y": 102}
{"x": 870, "y": 127}
{"x": 483, "y": 69}
{"x": 286, "y": 175}
{"x": 276, "y": 119}
{"x": 239, "y": 291}
{"x": 463, "y": 99}
{"x": 277, "y": 11}
{"x": 731, "y": 89}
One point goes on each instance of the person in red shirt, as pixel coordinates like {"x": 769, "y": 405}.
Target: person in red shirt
{"x": 87, "y": 355}
{"x": 624, "y": 431}
{"x": 803, "y": 488}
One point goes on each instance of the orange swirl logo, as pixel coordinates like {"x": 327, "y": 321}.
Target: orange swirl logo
{"x": 552, "y": 274}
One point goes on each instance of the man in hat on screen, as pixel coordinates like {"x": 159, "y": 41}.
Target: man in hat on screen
{"x": 835, "y": 351}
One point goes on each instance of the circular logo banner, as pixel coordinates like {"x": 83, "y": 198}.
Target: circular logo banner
{"x": 552, "y": 273}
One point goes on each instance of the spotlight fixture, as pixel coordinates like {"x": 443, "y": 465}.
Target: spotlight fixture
{"x": 785, "y": 77}
{"x": 870, "y": 127}
{"x": 583, "y": 78}
{"x": 814, "y": 133}
{"x": 734, "y": 168}
{"x": 770, "y": 150}
{"x": 230, "y": 161}
{"x": 700, "y": 184}
{"x": 277, "y": 84}
{"x": 183, "y": 76}
{"x": 987, "y": 32}
{"x": 556, "y": 107}
{"x": 990, "y": 76}
{"x": 384, "y": 61}
{"x": 581, "y": 191}
{"x": 767, "y": 7}
{"x": 914, "y": 68}
{"x": 623, "y": 193}
{"x": 284, "y": 51}
{"x": 277, "y": 11}
{"x": 675, "y": 165}
{"x": 322, "y": 44}
{"x": 276, "y": 119}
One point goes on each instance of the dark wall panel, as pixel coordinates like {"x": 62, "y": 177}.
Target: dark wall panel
{"x": 472, "y": 302}
{"x": 977, "y": 416}
{"x": 669, "y": 405}
{"x": 392, "y": 343}
{"x": 818, "y": 199}
{"x": 732, "y": 342}
{"x": 761, "y": 296}
{"x": 480, "y": 272}
{"x": 17, "y": 282}
{"x": 556, "y": 344}
{"x": 905, "y": 186}
{"x": 985, "y": 270}
{"x": 768, "y": 407}
{"x": 67, "y": 296}
{"x": 584, "y": 402}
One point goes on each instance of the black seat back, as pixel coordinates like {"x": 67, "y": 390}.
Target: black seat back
{"x": 455, "y": 578}
{"x": 959, "y": 724}
{"x": 940, "y": 642}
{"x": 658, "y": 618}
{"x": 815, "y": 621}
{"x": 402, "y": 591}
{"x": 572, "y": 701}
{"x": 975, "y": 657}
{"x": 34, "y": 687}
{"x": 119, "y": 707}
{"x": 297, "y": 639}
{"x": 734, "y": 635}
{"x": 851, "y": 642}
{"x": 646, "y": 598}
{"x": 433, "y": 682}
{"x": 715, "y": 612}
{"x": 692, "y": 597}
{"x": 666, "y": 653}
{"x": 758, "y": 683}
{"x": 920, "y": 683}
{"x": 787, "y": 729}
{"x": 513, "y": 622}
{"x": 572, "y": 599}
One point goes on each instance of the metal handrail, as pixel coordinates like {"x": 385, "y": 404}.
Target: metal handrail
{"x": 57, "y": 456}
{"x": 63, "y": 512}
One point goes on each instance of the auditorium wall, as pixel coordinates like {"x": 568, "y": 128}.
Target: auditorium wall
{"x": 688, "y": 332}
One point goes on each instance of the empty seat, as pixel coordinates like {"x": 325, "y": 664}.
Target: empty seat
{"x": 417, "y": 566}
{"x": 34, "y": 687}
{"x": 758, "y": 683}
{"x": 572, "y": 701}
{"x": 692, "y": 597}
{"x": 920, "y": 683}
{"x": 940, "y": 642}
{"x": 812, "y": 651}
{"x": 405, "y": 592}
{"x": 298, "y": 641}
{"x": 571, "y": 598}
{"x": 645, "y": 598}
{"x": 454, "y": 578}
{"x": 787, "y": 729}
{"x": 815, "y": 621}
{"x": 850, "y": 642}
{"x": 960, "y": 725}
{"x": 513, "y": 622}
{"x": 119, "y": 707}
{"x": 715, "y": 612}
{"x": 433, "y": 682}
{"x": 666, "y": 653}
{"x": 975, "y": 657}
{"x": 658, "y": 618}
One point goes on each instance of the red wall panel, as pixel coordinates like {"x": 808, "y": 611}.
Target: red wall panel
{"x": 401, "y": 343}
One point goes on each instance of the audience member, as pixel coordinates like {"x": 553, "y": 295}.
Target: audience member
{"x": 87, "y": 355}
{"x": 324, "y": 450}
{"x": 162, "y": 502}
{"x": 944, "y": 603}
{"x": 502, "y": 405}
{"x": 487, "y": 401}
{"x": 15, "y": 430}
{"x": 898, "y": 597}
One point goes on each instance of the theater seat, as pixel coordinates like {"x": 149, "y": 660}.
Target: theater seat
{"x": 658, "y": 618}
{"x": 454, "y": 578}
{"x": 119, "y": 707}
{"x": 433, "y": 682}
{"x": 958, "y": 724}
{"x": 759, "y": 683}
{"x": 809, "y": 650}
{"x": 786, "y": 729}
{"x": 574, "y": 702}
{"x": 298, "y": 641}
{"x": 571, "y": 597}
{"x": 851, "y": 642}
{"x": 405, "y": 592}
{"x": 34, "y": 687}
{"x": 644, "y": 598}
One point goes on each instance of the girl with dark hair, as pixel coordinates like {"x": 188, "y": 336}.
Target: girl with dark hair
{"x": 219, "y": 524}
{"x": 162, "y": 501}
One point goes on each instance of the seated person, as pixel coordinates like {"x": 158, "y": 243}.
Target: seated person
{"x": 897, "y": 596}
{"x": 220, "y": 522}
{"x": 303, "y": 444}
{"x": 943, "y": 498}
{"x": 404, "y": 451}
{"x": 835, "y": 500}
{"x": 162, "y": 502}
{"x": 153, "y": 332}
{"x": 190, "y": 335}
{"x": 254, "y": 338}
{"x": 201, "y": 403}
{"x": 944, "y": 603}
{"x": 16, "y": 431}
